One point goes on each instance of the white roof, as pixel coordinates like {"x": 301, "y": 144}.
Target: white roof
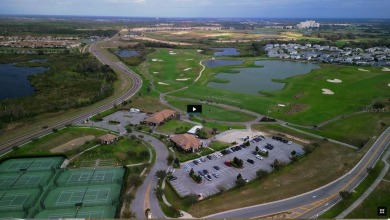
{"x": 194, "y": 129}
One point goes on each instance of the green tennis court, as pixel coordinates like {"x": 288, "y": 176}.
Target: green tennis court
{"x": 84, "y": 212}
{"x": 26, "y": 179}
{"x": 17, "y": 199}
{"x": 86, "y": 176}
{"x": 63, "y": 197}
{"x": 31, "y": 164}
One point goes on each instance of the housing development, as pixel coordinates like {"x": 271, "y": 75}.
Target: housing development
{"x": 249, "y": 111}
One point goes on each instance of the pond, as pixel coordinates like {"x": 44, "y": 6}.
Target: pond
{"x": 253, "y": 80}
{"x": 38, "y": 61}
{"x": 127, "y": 53}
{"x": 226, "y": 52}
{"x": 14, "y": 80}
{"x": 217, "y": 63}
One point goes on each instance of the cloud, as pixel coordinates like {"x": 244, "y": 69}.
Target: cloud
{"x": 126, "y": 1}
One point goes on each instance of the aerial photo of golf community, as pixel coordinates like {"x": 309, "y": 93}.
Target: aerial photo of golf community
{"x": 153, "y": 118}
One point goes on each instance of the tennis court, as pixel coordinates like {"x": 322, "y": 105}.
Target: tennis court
{"x": 17, "y": 199}
{"x": 86, "y": 176}
{"x": 84, "y": 212}
{"x": 31, "y": 164}
{"x": 63, "y": 197}
{"x": 85, "y": 196}
{"x": 8, "y": 180}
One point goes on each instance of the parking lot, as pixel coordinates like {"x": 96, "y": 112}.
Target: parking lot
{"x": 184, "y": 184}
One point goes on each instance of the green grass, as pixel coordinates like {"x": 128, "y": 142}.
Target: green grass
{"x": 173, "y": 67}
{"x": 220, "y": 127}
{"x": 45, "y": 144}
{"x": 363, "y": 186}
{"x": 212, "y": 112}
{"x": 309, "y": 173}
{"x": 348, "y": 94}
{"x": 183, "y": 157}
{"x": 356, "y": 129}
{"x": 171, "y": 126}
{"x": 219, "y": 145}
{"x": 125, "y": 151}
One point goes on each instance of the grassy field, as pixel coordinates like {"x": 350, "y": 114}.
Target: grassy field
{"x": 177, "y": 69}
{"x": 212, "y": 112}
{"x": 358, "y": 191}
{"x": 309, "y": 173}
{"x": 355, "y": 130}
{"x": 146, "y": 104}
{"x": 123, "y": 152}
{"x": 304, "y": 91}
{"x": 171, "y": 126}
{"x": 220, "y": 127}
{"x": 45, "y": 144}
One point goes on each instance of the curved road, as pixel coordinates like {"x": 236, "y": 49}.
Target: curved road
{"x": 118, "y": 66}
{"x": 145, "y": 196}
{"x": 314, "y": 203}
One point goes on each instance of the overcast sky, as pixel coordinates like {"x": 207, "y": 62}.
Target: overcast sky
{"x": 202, "y": 8}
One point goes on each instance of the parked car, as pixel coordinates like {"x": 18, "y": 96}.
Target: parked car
{"x": 201, "y": 172}
{"x": 246, "y": 180}
{"x": 269, "y": 147}
{"x": 203, "y": 159}
{"x": 227, "y": 163}
{"x": 209, "y": 157}
{"x": 215, "y": 175}
{"x": 205, "y": 171}
{"x": 207, "y": 177}
{"x": 216, "y": 167}
{"x": 195, "y": 162}
{"x": 259, "y": 157}
{"x": 173, "y": 178}
{"x": 198, "y": 160}
{"x": 250, "y": 161}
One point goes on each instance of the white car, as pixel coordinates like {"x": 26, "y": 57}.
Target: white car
{"x": 289, "y": 142}
{"x": 246, "y": 180}
{"x": 259, "y": 157}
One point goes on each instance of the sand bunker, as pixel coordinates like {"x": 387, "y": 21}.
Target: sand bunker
{"x": 157, "y": 60}
{"x": 73, "y": 144}
{"x": 155, "y": 72}
{"x": 334, "y": 80}
{"x": 172, "y": 53}
{"x": 199, "y": 51}
{"x": 364, "y": 70}
{"x": 281, "y": 105}
{"x": 189, "y": 59}
{"x": 386, "y": 69}
{"x": 327, "y": 92}
{"x": 163, "y": 83}
{"x": 185, "y": 79}
{"x": 187, "y": 69}
{"x": 388, "y": 84}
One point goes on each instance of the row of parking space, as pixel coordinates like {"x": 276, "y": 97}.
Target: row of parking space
{"x": 226, "y": 175}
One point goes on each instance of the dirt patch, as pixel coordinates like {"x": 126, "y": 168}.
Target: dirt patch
{"x": 73, "y": 144}
{"x": 295, "y": 108}
{"x": 236, "y": 135}
{"x": 299, "y": 95}
{"x": 121, "y": 155}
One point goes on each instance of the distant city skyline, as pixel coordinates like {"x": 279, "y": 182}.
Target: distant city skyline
{"x": 201, "y": 8}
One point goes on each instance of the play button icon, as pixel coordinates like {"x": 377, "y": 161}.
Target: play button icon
{"x": 194, "y": 109}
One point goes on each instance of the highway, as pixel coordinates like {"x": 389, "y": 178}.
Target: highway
{"x": 118, "y": 66}
{"x": 314, "y": 203}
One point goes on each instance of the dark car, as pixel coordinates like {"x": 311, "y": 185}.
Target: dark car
{"x": 216, "y": 167}
{"x": 200, "y": 172}
{"x": 44, "y": 127}
{"x": 269, "y": 147}
{"x": 173, "y": 178}
{"x": 205, "y": 171}
{"x": 250, "y": 161}
{"x": 254, "y": 152}
{"x": 209, "y": 157}
{"x": 195, "y": 162}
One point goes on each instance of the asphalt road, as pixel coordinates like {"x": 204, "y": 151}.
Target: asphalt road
{"x": 145, "y": 196}
{"x": 314, "y": 203}
{"x": 137, "y": 83}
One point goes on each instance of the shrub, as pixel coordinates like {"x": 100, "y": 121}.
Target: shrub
{"x": 240, "y": 183}
{"x": 261, "y": 174}
{"x": 54, "y": 130}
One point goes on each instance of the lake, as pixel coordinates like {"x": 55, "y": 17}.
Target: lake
{"x": 127, "y": 53}
{"x": 253, "y": 80}
{"x": 217, "y": 63}
{"x": 226, "y": 52}
{"x": 14, "y": 80}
